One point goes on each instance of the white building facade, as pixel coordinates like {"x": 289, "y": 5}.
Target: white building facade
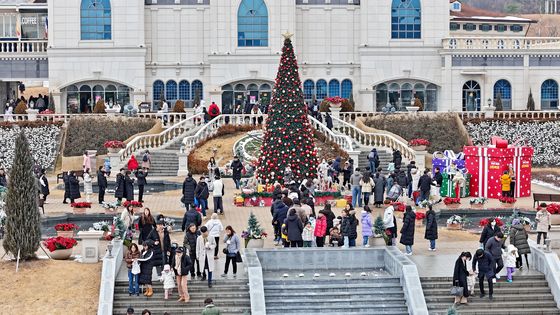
{"x": 385, "y": 53}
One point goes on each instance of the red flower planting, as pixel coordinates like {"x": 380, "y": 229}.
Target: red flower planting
{"x": 484, "y": 222}
{"x": 449, "y": 200}
{"x": 418, "y": 142}
{"x": 47, "y": 112}
{"x": 507, "y": 200}
{"x": 66, "y": 227}
{"x": 553, "y": 208}
{"x": 132, "y": 203}
{"x": 115, "y": 144}
{"x": 55, "y": 243}
{"x": 335, "y": 99}
{"x": 420, "y": 215}
{"x": 399, "y": 206}
{"x": 81, "y": 205}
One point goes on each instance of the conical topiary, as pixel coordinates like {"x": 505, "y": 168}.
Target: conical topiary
{"x": 23, "y": 222}
{"x": 530, "y": 102}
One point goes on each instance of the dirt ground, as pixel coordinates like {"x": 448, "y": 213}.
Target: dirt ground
{"x": 49, "y": 287}
{"x": 224, "y": 145}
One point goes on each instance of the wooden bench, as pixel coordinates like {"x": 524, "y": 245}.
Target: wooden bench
{"x": 60, "y": 176}
{"x": 538, "y": 198}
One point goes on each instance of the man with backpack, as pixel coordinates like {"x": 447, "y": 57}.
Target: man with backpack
{"x": 373, "y": 159}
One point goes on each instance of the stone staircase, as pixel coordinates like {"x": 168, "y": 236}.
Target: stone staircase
{"x": 527, "y": 294}
{"x": 165, "y": 162}
{"x": 383, "y": 295}
{"x": 385, "y": 157}
{"x": 231, "y": 296}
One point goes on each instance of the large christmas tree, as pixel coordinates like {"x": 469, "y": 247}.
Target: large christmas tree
{"x": 23, "y": 221}
{"x": 288, "y": 138}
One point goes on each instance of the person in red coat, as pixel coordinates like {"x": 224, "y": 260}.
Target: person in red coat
{"x": 320, "y": 229}
{"x": 132, "y": 163}
{"x": 213, "y": 111}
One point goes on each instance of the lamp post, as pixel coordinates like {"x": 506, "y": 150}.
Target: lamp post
{"x": 489, "y": 102}
{"x": 110, "y": 249}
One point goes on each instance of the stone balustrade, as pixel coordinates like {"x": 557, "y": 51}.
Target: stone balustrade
{"x": 31, "y": 47}
{"x": 64, "y": 118}
{"x": 501, "y": 43}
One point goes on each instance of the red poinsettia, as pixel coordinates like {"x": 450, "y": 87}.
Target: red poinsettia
{"x": 47, "y": 112}
{"x": 55, "y": 243}
{"x": 399, "y": 206}
{"x": 420, "y": 215}
{"x": 553, "y": 208}
{"x": 133, "y": 203}
{"x": 449, "y": 200}
{"x": 114, "y": 144}
{"x": 335, "y": 99}
{"x": 418, "y": 142}
{"x": 507, "y": 200}
{"x": 81, "y": 205}
{"x": 66, "y": 227}
{"x": 484, "y": 222}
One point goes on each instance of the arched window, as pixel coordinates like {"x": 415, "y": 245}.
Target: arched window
{"x": 308, "y": 89}
{"x": 196, "y": 88}
{"x": 406, "y": 94}
{"x": 321, "y": 89}
{"x": 184, "y": 90}
{"x": 381, "y": 97}
{"x": 471, "y": 96}
{"x": 334, "y": 88}
{"x": 252, "y": 24}
{"x": 265, "y": 87}
{"x": 252, "y": 87}
{"x": 503, "y": 89}
{"x": 171, "y": 90}
{"x": 406, "y": 19}
{"x": 95, "y": 20}
{"x": 157, "y": 90}
{"x": 98, "y": 93}
{"x": 549, "y": 94}
{"x": 346, "y": 88}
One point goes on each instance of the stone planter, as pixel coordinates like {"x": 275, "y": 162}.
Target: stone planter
{"x": 68, "y": 234}
{"x": 555, "y": 219}
{"x": 453, "y": 206}
{"x": 477, "y": 205}
{"x": 110, "y": 211}
{"x": 112, "y": 111}
{"x": 79, "y": 210}
{"x": 113, "y": 150}
{"x": 412, "y": 109}
{"x": 32, "y": 114}
{"x": 61, "y": 254}
{"x": 419, "y": 148}
{"x": 507, "y": 205}
{"x": 454, "y": 226}
{"x": 256, "y": 243}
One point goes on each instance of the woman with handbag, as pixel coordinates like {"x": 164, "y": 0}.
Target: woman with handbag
{"x": 133, "y": 266}
{"x": 182, "y": 265}
{"x": 233, "y": 244}
{"x": 460, "y": 286}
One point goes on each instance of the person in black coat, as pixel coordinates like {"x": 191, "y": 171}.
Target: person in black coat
{"x": 162, "y": 246}
{"x": 280, "y": 213}
{"x": 431, "y": 228}
{"x": 407, "y": 229}
{"x": 146, "y": 267}
{"x": 438, "y": 178}
{"x": 293, "y": 229}
{"x": 397, "y": 158}
{"x": 202, "y": 193}
{"x": 146, "y": 224}
{"x": 349, "y": 227}
{"x": 236, "y": 167}
{"x": 128, "y": 186}
{"x": 66, "y": 181}
{"x": 101, "y": 185}
{"x": 488, "y": 232}
{"x": 74, "y": 187}
{"x": 181, "y": 264}
{"x": 328, "y": 121}
{"x": 485, "y": 269}
{"x": 460, "y": 274}
{"x": 401, "y": 178}
{"x": 189, "y": 242}
{"x": 189, "y": 185}
{"x": 120, "y": 189}
{"x": 327, "y": 212}
{"x": 141, "y": 182}
{"x": 425, "y": 185}
{"x": 44, "y": 183}
{"x": 409, "y": 168}
{"x": 191, "y": 216}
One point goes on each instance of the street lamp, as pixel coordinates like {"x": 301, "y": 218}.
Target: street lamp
{"x": 489, "y": 102}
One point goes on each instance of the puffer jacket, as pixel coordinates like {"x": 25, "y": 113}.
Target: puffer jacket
{"x": 518, "y": 238}
{"x": 349, "y": 225}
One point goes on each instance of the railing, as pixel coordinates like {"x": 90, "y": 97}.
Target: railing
{"x": 507, "y": 43}
{"x": 351, "y": 117}
{"x": 162, "y": 139}
{"x": 170, "y": 117}
{"x": 109, "y": 272}
{"x": 374, "y": 139}
{"x": 344, "y": 142}
{"x": 37, "y": 47}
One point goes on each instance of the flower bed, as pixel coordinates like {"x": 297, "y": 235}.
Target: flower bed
{"x": 80, "y": 207}
{"x": 455, "y": 222}
{"x": 507, "y": 202}
{"x": 133, "y": 203}
{"x": 59, "y": 243}
{"x": 43, "y": 142}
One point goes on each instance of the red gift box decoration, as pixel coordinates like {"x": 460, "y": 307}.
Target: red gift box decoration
{"x": 487, "y": 164}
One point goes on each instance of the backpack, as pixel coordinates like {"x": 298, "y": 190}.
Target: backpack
{"x": 145, "y": 158}
{"x": 372, "y": 156}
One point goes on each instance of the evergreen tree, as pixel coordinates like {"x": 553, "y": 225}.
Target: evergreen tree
{"x": 498, "y": 103}
{"x": 254, "y": 227}
{"x": 530, "y": 102}
{"x": 51, "y": 102}
{"x": 288, "y": 138}
{"x": 23, "y": 222}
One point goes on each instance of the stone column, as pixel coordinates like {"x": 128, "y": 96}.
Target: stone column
{"x": 420, "y": 159}
{"x": 355, "y": 155}
{"x": 183, "y": 164}
{"x": 335, "y": 113}
{"x": 115, "y": 159}
{"x": 90, "y": 246}
{"x": 488, "y": 111}
{"x": 59, "y": 107}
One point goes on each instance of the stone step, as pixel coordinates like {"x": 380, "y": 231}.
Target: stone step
{"x": 185, "y": 309}
{"x": 329, "y": 281}
{"x": 499, "y": 284}
{"x": 468, "y": 310}
{"x": 503, "y": 290}
{"x": 450, "y": 279}
{"x": 499, "y": 296}
{"x": 498, "y": 305}
{"x": 339, "y": 294}
{"x": 157, "y": 301}
{"x": 327, "y": 287}
{"x": 348, "y": 300}
{"x": 377, "y": 312}
{"x": 364, "y": 308}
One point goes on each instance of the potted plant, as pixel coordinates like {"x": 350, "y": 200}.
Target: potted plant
{"x": 60, "y": 247}
{"x": 80, "y": 207}
{"x": 484, "y": 222}
{"x": 135, "y": 205}
{"x": 102, "y": 226}
{"x": 114, "y": 146}
{"x": 419, "y": 144}
{"x": 452, "y": 203}
{"x": 478, "y": 203}
{"x": 455, "y": 222}
{"x": 335, "y": 102}
{"x": 110, "y": 208}
{"x": 65, "y": 229}
{"x": 379, "y": 231}
{"x": 254, "y": 236}
{"x": 420, "y": 216}
{"x": 507, "y": 202}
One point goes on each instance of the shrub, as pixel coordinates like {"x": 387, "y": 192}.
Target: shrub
{"x": 530, "y": 102}
{"x": 441, "y": 129}
{"x": 179, "y": 107}
{"x": 43, "y": 139}
{"x": 99, "y": 107}
{"x": 86, "y": 133}
{"x": 498, "y": 103}
{"x": 21, "y": 108}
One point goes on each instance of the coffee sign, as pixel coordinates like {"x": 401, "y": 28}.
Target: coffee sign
{"x": 29, "y": 20}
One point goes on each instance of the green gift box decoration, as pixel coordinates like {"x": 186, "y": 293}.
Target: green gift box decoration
{"x": 447, "y": 190}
